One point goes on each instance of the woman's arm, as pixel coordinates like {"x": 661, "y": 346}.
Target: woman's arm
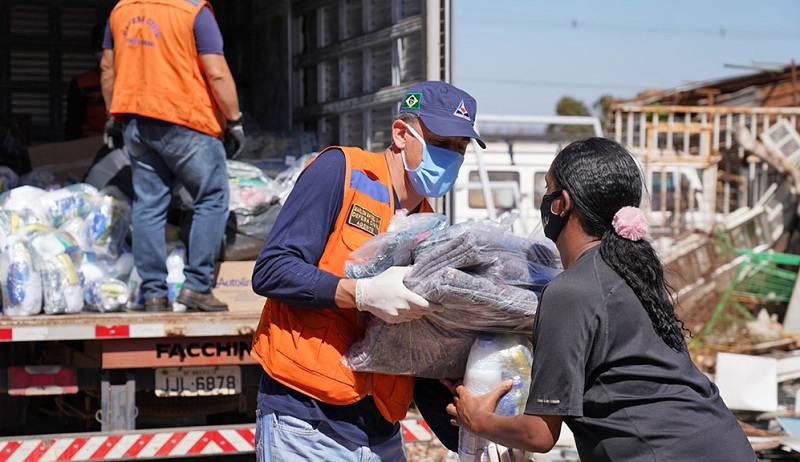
{"x": 475, "y": 413}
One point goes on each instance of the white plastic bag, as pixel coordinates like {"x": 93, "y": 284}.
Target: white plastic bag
{"x": 21, "y": 282}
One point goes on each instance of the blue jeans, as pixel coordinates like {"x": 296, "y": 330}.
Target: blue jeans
{"x": 161, "y": 154}
{"x": 283, "y": 438}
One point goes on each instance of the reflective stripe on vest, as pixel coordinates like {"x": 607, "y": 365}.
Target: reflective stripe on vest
{"x": 157, "y": 71}
{"x": 302, "y": 348}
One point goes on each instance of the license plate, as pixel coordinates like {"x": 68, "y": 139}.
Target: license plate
{"x": 198, "y": 381}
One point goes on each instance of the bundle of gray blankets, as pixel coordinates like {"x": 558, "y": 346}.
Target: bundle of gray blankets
{"x": 485, "y": 278}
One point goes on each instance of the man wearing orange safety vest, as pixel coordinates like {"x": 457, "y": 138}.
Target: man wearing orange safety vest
{"x": 86, "y": 110}
{"x": 169, "y": 90}
{"x": 310, "y": 406}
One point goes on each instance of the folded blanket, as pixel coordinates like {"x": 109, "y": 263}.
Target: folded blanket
{"x": 475, "y": 303}
{"x": 475, "y": 249}
{"x": 485, "y": 281}
{"x": 421, "y": 348}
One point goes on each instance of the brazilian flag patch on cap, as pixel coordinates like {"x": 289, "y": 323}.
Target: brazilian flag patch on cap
{"x": 412, "y": 100}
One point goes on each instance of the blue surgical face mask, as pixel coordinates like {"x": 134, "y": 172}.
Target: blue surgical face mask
{"x": 438, "y": 170}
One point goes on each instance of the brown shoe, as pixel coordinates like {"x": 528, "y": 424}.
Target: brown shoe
{"x": 203, "y": 302}
{"x": 155, "y": 304}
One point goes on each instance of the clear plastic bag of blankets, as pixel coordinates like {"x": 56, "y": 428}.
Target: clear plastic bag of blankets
{"x": 485, "y": 281}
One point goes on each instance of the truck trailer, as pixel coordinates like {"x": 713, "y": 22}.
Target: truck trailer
{"x": 127, "y": 386}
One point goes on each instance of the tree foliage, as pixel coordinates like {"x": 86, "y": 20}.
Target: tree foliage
{"x": 602, "y": 106}
{"x": 569, "y": 106}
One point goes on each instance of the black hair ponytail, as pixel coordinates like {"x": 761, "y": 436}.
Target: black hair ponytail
{"x": 638, "y": 264}
{"x": 601, "y": 177}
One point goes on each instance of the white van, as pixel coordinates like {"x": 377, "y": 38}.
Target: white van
{"x": 515, "y": 177}
{"x": 514, "y": 174}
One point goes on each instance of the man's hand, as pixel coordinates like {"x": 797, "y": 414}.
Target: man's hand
{"x": 388, "y": 298}
{"x": 112, "y": 134}
{"x": 234, "y": 138}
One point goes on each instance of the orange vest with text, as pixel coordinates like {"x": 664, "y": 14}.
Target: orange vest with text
{"x": 302, "y": 348}
{"x": 157, "y": 70}
{"x": 94, "y": 119}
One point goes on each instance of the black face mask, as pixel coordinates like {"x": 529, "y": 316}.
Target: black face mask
{"x": 551, "y": 222}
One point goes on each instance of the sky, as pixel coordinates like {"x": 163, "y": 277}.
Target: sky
{"x": 519, "y": 57}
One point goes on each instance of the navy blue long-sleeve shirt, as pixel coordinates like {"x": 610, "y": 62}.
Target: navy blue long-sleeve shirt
{"x": 286, "y": 269}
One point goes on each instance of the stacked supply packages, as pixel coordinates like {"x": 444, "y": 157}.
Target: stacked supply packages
{"x": 63, "y": 251}
{"x": 67, "y": 249}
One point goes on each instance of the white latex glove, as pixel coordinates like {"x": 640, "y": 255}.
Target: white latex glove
{"x": 388, "y": 298}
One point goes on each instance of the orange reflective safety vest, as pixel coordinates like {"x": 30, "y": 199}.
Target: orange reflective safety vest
{"x": 157, "y": 71}
{"x": 302, "y": 348}
{"x": 94, "y": 119}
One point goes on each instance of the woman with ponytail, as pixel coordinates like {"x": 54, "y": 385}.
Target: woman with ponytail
{"x": 610, "y": 359}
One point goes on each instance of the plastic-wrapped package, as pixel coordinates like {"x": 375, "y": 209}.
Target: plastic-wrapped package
{"x": 396, "y": 349}
{"x": 435, "y": 346}
{"x": 176, "y": 262}
{"x": 107, "y": 226}
{"x": 517, "y": 271}
{"x": 135, "y": 298}
{"x": 475, "y": 303}
{"x": 61, "y": 285}
{"x": 394, "y": 247}
{"x": 21, "y": 282}
{"x": 249, "y": 186}
{"x": 254, "y": 201}
{"x": 485, "y": 282}
{"x": 494, "y": 358}
{"x": 93, "y": 266}
{"x": 514, "y": 355}
{"x": 10, "y": 223}
{"x": 22, "y": 222}
{"x": 21, "y": 198}
{"x": 286, "y": 179}
{"x": 476, "y": 248}
{"x": 256, "y": 221}
{"x": 57, "y": 206}
{"x": 74, "y": 227}
{"x": 54, "y": 242}
{"x": 105, "y": 295}
{"x": 451, "y": 232}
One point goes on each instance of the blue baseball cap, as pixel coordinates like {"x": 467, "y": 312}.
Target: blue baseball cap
{"x": 445, "y": 109}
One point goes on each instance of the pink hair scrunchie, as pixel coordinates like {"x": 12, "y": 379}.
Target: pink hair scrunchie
{"x": 630, "y": 223}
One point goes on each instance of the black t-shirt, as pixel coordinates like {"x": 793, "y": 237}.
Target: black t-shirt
{"x": 623, "y": 392}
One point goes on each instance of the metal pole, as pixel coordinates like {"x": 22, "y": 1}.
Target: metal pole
{"x": 451, "y": 49}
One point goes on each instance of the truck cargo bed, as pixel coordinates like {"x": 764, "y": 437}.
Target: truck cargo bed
{"x": 86, "y": 326}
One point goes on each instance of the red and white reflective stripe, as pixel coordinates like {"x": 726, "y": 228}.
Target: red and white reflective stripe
{"x": 158, "y": 444}
{"x": 416, "y": 430}
{"x": 82, "y": 330}
{"x": 130, "y": 446}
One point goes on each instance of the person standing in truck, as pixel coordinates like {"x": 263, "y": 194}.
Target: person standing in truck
{"x": 310, "y": 406}
{"x": 86, "y": 110}
{"x": 610, "y": 359}
{"x": 169, "y": 90}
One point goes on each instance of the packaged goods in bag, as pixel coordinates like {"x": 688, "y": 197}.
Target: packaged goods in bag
{"x": 21, "y": 282}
